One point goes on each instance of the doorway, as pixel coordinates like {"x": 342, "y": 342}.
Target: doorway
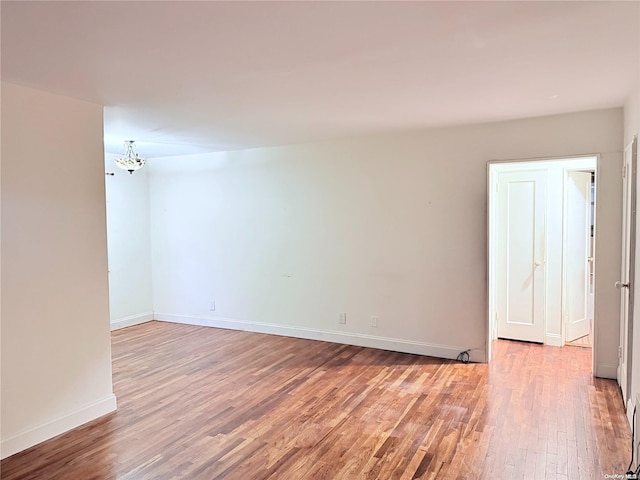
{"x": 578, "y": 254}
{"x": 541, "y": 250}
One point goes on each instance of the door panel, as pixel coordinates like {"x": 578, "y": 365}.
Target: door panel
{"x": 577, "y": 249}
{"x": 520, "y": 254}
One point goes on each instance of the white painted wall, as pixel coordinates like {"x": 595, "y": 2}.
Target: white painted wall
{"x": 56, "y": 352}
{"x": 394, "y": 225}
{"x": 607, "y": 270}
{"x": 632, "y": 116}
{"x": 129, "y": 245}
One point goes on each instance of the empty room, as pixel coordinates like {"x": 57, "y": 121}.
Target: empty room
{"x": 305, "y": 240}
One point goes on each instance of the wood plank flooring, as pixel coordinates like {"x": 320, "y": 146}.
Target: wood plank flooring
{"x": 203, "y": 403}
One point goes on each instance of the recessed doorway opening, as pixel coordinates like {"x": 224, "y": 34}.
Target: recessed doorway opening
{"x": 542, "y": 252}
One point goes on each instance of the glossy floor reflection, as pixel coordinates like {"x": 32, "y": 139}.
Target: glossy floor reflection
{"x": 203, "y": 403}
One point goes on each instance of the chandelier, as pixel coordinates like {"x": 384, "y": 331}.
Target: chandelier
{"x": 130, "y": 161}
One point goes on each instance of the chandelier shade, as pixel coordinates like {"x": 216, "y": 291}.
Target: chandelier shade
{"x": 130, "y": 161}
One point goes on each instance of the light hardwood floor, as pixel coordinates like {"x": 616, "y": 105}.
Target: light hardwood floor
{"x": 204, "y": 403}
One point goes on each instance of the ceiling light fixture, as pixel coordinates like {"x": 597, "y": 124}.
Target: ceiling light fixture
{"x": 130, "y": 161}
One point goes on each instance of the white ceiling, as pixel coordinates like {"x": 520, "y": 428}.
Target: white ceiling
{"x": 190, "y": 77}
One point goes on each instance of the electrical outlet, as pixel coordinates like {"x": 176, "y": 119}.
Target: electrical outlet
{"x": 374, "y": 321}
{"x": 342, "y": 318}
{"x": 212, "y": 306}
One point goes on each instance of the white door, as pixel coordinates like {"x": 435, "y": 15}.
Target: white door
{"x": 628, "y": 271}
{"x": 576, "y": 250}
{"x": 520, "y": 255}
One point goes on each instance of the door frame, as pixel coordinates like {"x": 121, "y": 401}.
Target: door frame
{"x": 574, "y": 162}
{"x": 627, "y": 272}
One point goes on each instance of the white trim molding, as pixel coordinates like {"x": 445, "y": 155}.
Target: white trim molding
{"x": 57, "y": 426}
{"x": 347, "y": 338}
{"x": 131, "y": 320}
{"x": 553, "y": 339}
{"x": 606, "y": 371}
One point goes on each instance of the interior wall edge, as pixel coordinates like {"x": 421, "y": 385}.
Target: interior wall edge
{"x": 57, "y": 426}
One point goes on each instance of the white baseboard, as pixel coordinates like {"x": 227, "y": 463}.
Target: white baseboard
{"x": 347, "y": 338}
{"x": 606, "y": 371}
{"x": 131, "y": 320}
{"x": 52, "y": 428}
{"x": 553, "y": 339}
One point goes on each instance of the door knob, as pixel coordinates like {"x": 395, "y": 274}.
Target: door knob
{"x": 622, "y": 285}
{"x": 537, "y": 264}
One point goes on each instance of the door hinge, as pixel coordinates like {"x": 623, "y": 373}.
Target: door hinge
{"x": 620, "y": 352}
{"x": 624, "y": 171}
